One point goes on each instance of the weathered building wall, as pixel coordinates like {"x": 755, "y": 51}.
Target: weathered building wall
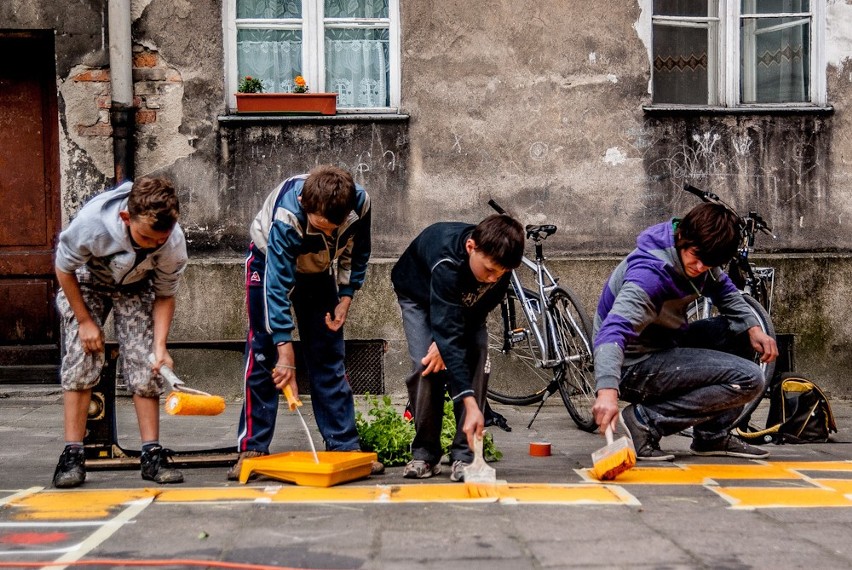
{"x": 538, "y": 105}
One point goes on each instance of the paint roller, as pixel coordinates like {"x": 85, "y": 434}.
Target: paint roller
{"x": 615, "y": 457}
{"x": 186, "y": 401}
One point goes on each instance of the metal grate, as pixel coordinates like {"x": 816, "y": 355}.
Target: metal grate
{"x": 365, "y": 367}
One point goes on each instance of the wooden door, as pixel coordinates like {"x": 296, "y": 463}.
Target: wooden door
{"x": 29, "y": 207}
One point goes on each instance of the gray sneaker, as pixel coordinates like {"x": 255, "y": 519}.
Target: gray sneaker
{"x": 457, "y": 472}
{"x": 71, "y": 469}
{"x": 419, "y": 469}
{"x": 729, "y": 446}
{"x": 157, "y": 466}
{"x": 647, "y": 447}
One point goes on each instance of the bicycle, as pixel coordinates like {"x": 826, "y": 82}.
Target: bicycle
{"x": 755, "y": 283}
{"x": 547, "y": 332}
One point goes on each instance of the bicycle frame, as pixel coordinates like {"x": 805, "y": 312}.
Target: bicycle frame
{"x": 552, "y": 354}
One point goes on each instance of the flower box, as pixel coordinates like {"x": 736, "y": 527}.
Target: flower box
{"x": 291, "y": 103}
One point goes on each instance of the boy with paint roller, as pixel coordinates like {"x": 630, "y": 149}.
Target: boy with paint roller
{"x": 677, "y": 374}
{"x": 309, "y": 252}
{"x": 446, "y": 282}
{"x": 124, "y": 251}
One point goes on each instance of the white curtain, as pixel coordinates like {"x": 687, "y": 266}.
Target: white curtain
{"x": 275, "y": 62}
{"x": 357, "y": 70}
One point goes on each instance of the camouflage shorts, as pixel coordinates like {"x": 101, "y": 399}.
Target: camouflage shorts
{"x": 134, "y": 330}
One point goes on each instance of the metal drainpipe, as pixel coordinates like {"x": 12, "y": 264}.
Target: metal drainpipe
{"x": 122, "y": 113}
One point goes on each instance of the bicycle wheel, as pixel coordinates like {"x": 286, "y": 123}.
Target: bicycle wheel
{"x": 516, "y": 377}
{"x": 576, "y": 376}
{"x": 702, "y": 308}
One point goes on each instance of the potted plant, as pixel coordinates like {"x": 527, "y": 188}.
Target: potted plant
{"x": 252, "y": 99}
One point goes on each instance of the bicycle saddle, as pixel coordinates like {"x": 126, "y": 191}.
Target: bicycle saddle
{"x": 540, "y": 232}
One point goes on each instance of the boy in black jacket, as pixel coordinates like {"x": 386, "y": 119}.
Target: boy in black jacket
{"x": 447, "y": 281}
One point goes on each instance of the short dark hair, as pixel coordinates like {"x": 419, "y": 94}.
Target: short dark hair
{"x": 713, "y": 230}
{"x": 154, "y": 201}
{"x": 501, "y": 238}
{"x": 329, "y": 191}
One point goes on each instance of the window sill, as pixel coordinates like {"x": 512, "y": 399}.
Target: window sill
{"x": 741, "y": 110}
{"x": 243, "y": 118}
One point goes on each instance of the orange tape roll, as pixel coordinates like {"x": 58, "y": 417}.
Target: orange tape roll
{"x": 183, "y": 404}
{"x": 539, "y": 449}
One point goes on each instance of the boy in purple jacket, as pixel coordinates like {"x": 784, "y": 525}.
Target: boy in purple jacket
{"x": 677, "y": 374}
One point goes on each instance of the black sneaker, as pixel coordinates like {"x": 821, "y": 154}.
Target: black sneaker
{"x": 729, "y": 446}
{"x": 156, "y": 466}
{"x": 71, "y": 469}
{"x": 647, "y": 447}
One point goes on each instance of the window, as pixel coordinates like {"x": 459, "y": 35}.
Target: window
{"x": 350, "y": 47}
{"x": 738, "y": 53}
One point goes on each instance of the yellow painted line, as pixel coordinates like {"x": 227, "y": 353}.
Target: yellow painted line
{"x": 765, "y": 497}
{"x": 214, "y": 494}
{"x": 100, "y": 504}
{"x": 79, "y": 504}
{"x": 814, "y": 465}
{"x": 699, "y": 474}
{"x": 839, "y": 485}
{"x": 422, "y": 493}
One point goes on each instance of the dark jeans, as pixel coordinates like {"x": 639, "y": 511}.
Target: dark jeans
{"x": 426, "y": 393}
{"x": 701, "y": 384}
{"x": 323, "y": 351}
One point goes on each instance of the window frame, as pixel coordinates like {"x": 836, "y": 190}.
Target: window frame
{"x": 728, "y": 78}
{"x": 312, "y": 24}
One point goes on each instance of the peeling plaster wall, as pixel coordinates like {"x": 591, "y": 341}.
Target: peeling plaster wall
{"x": 536, "y": 104}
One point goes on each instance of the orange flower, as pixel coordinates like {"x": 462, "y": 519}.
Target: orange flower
{"x": 300, "y": 81}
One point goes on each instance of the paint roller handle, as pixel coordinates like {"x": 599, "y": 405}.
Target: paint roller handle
{"x": 292, "y": 400}
{"x": 166, "y": 373}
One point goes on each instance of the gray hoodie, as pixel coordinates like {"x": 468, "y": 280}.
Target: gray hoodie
{"x": 99, "y": 239}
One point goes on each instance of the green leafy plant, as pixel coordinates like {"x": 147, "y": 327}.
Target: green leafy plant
{"x": 448, "y": 433}
{"x": 249, "y": 84}
{"x": 384, "y": 430}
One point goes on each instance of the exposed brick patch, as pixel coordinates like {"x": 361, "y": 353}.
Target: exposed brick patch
{"x": 145, "y": 117}
{"x": 145, "y": 59}
{"x": 96, "y": 130}
{"x": 92, "y": 75}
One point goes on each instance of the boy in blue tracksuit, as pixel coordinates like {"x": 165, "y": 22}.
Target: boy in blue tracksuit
{"x": 447, "y": 281}
{"x": 310, "y": 244}
{"x": 676, "y": 374}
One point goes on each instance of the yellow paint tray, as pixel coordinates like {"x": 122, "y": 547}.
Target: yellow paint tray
{"x": 299, "y": 467}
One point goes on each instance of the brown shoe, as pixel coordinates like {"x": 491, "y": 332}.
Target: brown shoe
{"x": 234, "y": 471}
{"x": 377, "y": 468}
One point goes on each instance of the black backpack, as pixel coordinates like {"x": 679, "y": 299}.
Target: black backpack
{"x": 799, "y": 412}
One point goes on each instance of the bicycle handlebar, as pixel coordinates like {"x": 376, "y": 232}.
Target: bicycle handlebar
{"x": 707, "y": 196}
{"x": 497, "y": 207}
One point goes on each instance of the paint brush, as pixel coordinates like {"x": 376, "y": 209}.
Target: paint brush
{"x": 614, "y": 458}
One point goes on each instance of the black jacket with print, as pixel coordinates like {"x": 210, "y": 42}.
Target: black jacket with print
{"x": 434, "y": 272}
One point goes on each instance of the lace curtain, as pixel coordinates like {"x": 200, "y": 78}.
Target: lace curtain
{"x": 357, "y": 69}
{"x": 270, "y": 56}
